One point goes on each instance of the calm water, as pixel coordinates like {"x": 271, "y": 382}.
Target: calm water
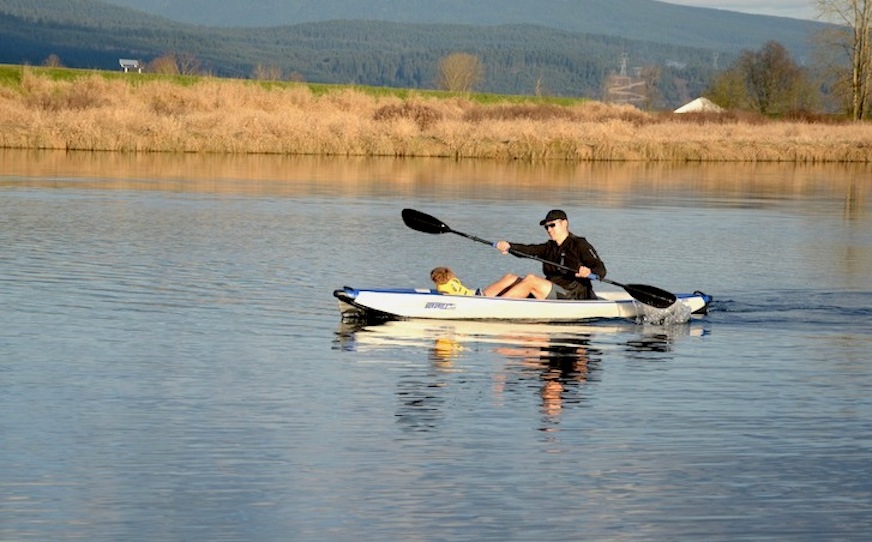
{"x": 173, "y": 365}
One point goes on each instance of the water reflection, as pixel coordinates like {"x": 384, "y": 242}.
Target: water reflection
{"x": 554, "y": 362}
{"x": 854, "y": 196}
{"x": 613, "y": 184}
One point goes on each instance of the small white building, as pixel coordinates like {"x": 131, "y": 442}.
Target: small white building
{"x": 128, "y": 65}
{"x": 700, "y": 105}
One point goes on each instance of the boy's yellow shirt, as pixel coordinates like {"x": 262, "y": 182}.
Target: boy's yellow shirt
{"x": 454, "y": 287}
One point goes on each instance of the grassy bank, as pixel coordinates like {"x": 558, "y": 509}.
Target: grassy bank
{"x": 43, "y": 108}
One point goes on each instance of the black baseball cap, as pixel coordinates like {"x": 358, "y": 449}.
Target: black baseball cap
{"x": 554, "y": 214}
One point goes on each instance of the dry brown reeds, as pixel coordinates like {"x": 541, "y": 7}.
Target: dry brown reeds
{"x": 230, "y": 116}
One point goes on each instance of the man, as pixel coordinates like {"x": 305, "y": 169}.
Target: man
{"x": 563, "y": 248}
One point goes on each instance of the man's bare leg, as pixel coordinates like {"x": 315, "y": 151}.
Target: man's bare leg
{"x": 501, "y": 286}
{"x": 532, "y": 284}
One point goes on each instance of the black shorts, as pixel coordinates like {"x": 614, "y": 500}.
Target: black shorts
{"x": 557, "y": 292}
{"x": 576, "y": 290}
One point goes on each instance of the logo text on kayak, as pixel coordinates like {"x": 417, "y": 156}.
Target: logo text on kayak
{"x": 439, "y": 306}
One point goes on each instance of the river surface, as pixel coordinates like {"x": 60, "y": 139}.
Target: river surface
{"x": 173, "y": 365}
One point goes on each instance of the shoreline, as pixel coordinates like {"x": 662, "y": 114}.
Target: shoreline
{"x": 100, "y": 112}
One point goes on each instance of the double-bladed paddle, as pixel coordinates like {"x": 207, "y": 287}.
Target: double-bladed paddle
{"x": 649, "y": 295}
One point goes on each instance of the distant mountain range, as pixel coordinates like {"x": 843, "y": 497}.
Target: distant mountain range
{"x": 566, "y": 48}
{"x": 640, "y": 20}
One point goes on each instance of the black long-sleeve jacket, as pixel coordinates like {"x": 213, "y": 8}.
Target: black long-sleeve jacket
{"x": 573, "y": 253}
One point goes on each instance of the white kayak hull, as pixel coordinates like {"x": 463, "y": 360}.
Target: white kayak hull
{"x": 429, "y": 304}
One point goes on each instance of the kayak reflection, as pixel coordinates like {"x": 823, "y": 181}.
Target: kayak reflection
{"x": 446, "y": 340}
{"x": 554, "y": 360}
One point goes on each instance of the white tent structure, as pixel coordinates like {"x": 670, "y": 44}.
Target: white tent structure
{"x": 700, "y": 105}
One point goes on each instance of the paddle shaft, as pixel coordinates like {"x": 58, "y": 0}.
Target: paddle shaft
{"x": 530, "y": 256}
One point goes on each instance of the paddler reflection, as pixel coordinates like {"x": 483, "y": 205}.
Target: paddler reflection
{"x": 561, "y": 364}
{"x": 558, "y": 362}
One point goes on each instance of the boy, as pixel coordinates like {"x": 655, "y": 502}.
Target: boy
{"x": 448, "y": 283}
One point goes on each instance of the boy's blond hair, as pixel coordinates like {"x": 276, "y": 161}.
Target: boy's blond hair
{"x": 441, "y": 275}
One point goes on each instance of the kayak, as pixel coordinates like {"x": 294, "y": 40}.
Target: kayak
{"x": 408, "y": 303}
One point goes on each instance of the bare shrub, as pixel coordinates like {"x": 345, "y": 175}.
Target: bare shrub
{"x": 299, "y": 97}
{"x": 165, "y": 65}
{"x": 459, "y": 72}
{"x": 267, "y": 72}
{"x": 347, "y": 100}
{"x": 52, "y": 61}
{"x": 169, "y": 99}
{"x": 95, "y": 91}
{"x": 166, "y": 98}
{"x": 176, "y": 64}
{"x": 534, "y": 112}
{"x": 80, "y": 94}
{"x": 423, "y": 115}
{"x": 750, "y": 118}
{"x": 732, "y": 116}
{"x": 601, "y": 112}
{"x": 810, "y": 117}
{"x": 701, "y": 117}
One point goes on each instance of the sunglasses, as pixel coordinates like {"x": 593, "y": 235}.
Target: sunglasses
{"x": 549, "y": 225}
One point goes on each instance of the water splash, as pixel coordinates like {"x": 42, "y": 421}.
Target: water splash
{"x": 677, "y": 313}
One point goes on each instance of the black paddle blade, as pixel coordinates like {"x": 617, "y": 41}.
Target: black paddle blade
{"x": 423, "y": 222}
{"x": 650, "y": 295}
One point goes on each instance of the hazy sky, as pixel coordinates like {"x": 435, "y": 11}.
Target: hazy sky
{"x": 798, "y": 9}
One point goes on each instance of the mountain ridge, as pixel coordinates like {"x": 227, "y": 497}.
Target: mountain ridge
{"x": 643, "y": 20}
